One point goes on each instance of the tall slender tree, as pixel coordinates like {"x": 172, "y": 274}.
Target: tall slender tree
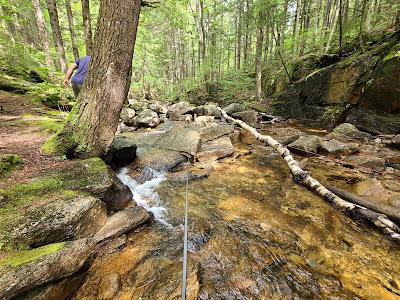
{"x": 70, "y": 17}
{"x": 43, "y": 36}
{"x": 58, "y": 40}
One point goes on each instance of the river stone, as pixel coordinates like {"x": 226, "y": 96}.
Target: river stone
{"x": 309, "y": 143}
{"x": 372, "y": 162}
{"x": 233, "y": 108}
{"x": 214, "y": 131}
{"x": 373, "y": 189}
{"x": 249, "y": 116}
{"x": 128, "y": 116}
{"x": 147, "y": 118}
{"x": 391, "y": 184}
{"x": 109, "y": 286}
{"x": 337, "y": 147}
{"x": 177, "y": 110}
{"x": 159, "y": 159}
{"x": 212, "y": 110}
{"x": 122, "y": 222}
{"x": 351, "y": 131}
{"x": 158, "y": 107}
{"x": 29, "y": 269}
{"x": 216, "y": 149}
{"x": 394, "y": 200}
{"x": 69, "y": 219}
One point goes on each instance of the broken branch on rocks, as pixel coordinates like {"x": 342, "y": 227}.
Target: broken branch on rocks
{"x": 300, "y": 176}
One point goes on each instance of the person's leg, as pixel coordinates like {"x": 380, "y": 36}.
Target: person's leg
{"x": 76, "y": 88}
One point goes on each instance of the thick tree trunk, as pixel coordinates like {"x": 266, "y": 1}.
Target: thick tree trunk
{"x": 92, "y": 126}
{"x": 300, "y": 176}
{"x": 71, "y": 28}
{"x": 58, "y": 41}
{"x": 87, "y": 26}
{"x": 43, "y": 36}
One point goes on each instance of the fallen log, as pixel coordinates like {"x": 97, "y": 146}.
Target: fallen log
{"x": 300, "y": 176}
{"x": 391, "y": 212}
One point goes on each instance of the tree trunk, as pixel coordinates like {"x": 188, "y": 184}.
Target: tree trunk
{"x": 340, "y": 24}
{"x": 87, "y": 26}
{"x": 92, "y": 126}
{"x": 362, "y": 24}
{"x": 71, "y": 28}
{"x": 300, "y": 176}
{"x": 284, "y": 20}
{"x": 43, "y": 36}
{"x": 58, "y": 41}
{"x": 259, "y": 43}
{"x": 239, "y": 37}
{"x": 246, "y": 34}
{"x": 335, "y": 18}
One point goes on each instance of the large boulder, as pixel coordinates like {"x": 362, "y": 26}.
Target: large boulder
{"x": 180, "y": 139}
{"x": 233, "y": 108}
{"x": 211, "y": 110}
{"x": 159, "y": 107}
{"x": 351, "y": 131}
{"x": 128, "y": 116}
{"x": 216, "y": 149}
{"x": 250, "y": 117}
{"x": 122, "y": 222}
{"x": 177, "y": 110}
{"x": 138, "y": 105}
{"x": 396, "y": 142}
{"x": 29, "y": 269}
{"x": 159, "y": 159}
{"x": 147, "y": 118}
{"x": 120, "y": 154}
{"x": 308, "y": 143}
{"x": 214, "y": 131}
{"x": 68, "y": 219}
{"x": 338, "y": 147}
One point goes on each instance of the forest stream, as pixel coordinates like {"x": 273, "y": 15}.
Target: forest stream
{"x": 254, "y": 234}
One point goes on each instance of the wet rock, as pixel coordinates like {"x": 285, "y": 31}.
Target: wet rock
{"x": 391, "y": 184}
{"x": 159, "y": 107}
{"x": 109, "y": 286}
{"x": 122, "y": 222}
{"x": 396, "y": 142}
{"x": 233, "y": 108}
{"x": 176, "y": 111}
{"x": 249, "y": 116}
{"x": 147, "y": 118}
{"x": 215, "y": 149}
{"x": 29, "y": 269}
{"x": 309, "y": 143}
{"x": 351, "y": 131}
{"x": 373, "y": 189}
{"x": 159, "y": 159}
{"x": 394, "y": 200}
{"x": 211, "y": 110}
{"x": 337, "y": 147}
{"x": 214, "y": 131}
{"x": 121, "y": 153}
{"x": 375, "y": 163}
{"x": 128, "y": 116}
{"x": 194, "y": 174}
{"x": 69, "y": 219}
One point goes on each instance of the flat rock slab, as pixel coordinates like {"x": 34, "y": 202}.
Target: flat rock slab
{"x": 68, "y": 219}
{"x": 29, "y": 269}
{"x": 214, "y": 131}
{"x": 215, "y": 149}
{"x": 371, "y": 162}
{"x": 159, "y": 159}
{"x": 338, "y": 147}
{"x": 309, "y": 143}
{"x": 123, "y": 222}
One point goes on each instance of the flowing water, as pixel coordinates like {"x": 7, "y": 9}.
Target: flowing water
{"x": 254, "y": 234}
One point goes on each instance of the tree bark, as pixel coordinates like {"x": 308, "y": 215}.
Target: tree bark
{"x": 58, "y": 41}
{"x": 304, "y": 178}
{"x": 93, "y": 122}
{"x": 87, "y": 26}
{"x": 71, "y": 28}
{"x": 362, "y": 24}
{"x": 43, "y": 36}
{"x": 259, "y": 43}
{"x": 239, "y": 37}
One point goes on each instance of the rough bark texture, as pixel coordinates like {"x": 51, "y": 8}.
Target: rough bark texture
{"x": 55, "y": 26}
{"x": 92, "y": 125}
{"x": 44, "y": 39}
{"x": 87, "y": 26}
{"x": 303, "y": 177}
{"x": 71, "y": 28}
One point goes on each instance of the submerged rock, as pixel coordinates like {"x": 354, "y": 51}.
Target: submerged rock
{"x": 372, "y": 189}
{"x": 309, "y": 143}
{"x": 147, "y": 118}
{"x": 128, "y": 116}
{"x": 109, "y": 286}
{"x": 351, "y": 131}
{"x": 122, "y": 222}
{"x": 72, "y": 218}
{"x": 29, "y": 269}
{"x": 215, "y": 149}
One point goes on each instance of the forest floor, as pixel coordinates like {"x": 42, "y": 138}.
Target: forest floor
{"x": 24, "y": 127}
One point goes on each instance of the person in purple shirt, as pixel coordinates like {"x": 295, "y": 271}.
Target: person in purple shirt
{"x": 81, "y": 66}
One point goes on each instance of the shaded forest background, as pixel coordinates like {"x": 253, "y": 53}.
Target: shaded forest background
{"x": 192, "y": 46}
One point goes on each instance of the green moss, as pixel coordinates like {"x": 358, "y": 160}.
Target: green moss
{"x": 9, "y": 163}
{"x": 25, "y": 257}
{"x": 14, "y": 84}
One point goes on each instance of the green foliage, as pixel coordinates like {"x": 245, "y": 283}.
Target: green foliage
{"x": 24, "y": 257}
{"x": 9, "y": 163}
{"x": 51, "y": 95}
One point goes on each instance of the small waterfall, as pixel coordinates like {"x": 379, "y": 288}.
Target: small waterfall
{"x": 144, "y": 193}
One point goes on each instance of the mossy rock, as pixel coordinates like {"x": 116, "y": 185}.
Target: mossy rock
{"x": 14, "y": 84}
{"x": 9, "y": 163}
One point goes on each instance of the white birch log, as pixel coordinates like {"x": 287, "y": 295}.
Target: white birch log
{"x": 303, "y": 177}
